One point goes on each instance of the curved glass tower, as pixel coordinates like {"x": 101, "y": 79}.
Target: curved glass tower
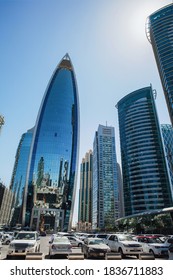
{"x": 160, "y": 34}
{"x": 52, "y": 169}
{"x": 146, "y": 183}
{"x": 167, "y": 133}
{"x": 18, "y": 179}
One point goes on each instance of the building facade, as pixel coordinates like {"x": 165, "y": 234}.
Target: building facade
{"x": 160, "y": 34}
{"x": 6, "y": 198}
{"x": 120, "y": 192}
{"x": 18, "y": 180}
{"x": 146, "y": 182}
{"x": 1, "y": 122}
{"x": 105, "y": 184}
{"x": 85, "y": 193}
{"x": 52, "y": 169}
{"x": 167, "y": 133}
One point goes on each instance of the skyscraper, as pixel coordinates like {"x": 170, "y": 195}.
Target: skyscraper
{"x": 1, "y": 121}
{"x": 52, "y": 169}
{"x": 18, "y": 180}
{"x": 160, "y": 34}
{"x": 105, "y": 186}
{"x": 85, "y": 193}
{"x": 146, "y": 183}
{"x": 167, "y": 133}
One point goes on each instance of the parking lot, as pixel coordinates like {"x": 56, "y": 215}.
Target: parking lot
{"x": 44, "y": 249}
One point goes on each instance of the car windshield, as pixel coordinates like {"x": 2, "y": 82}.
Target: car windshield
{"x": 96, "y": 242}
{"x": 25, "y": 236}
{"x": 125, "y": 238}
{"x": 60, "y": 239}
{"x": 154, "y": 240}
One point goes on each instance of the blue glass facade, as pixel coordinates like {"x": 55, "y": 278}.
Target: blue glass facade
{"x": 18, "y": 179}
{"x": 146, "y": 182}
{"x": 105, "y": 185}
{"x": 51, "y": 177}
{"x": 167, "y": 133}
{"x": 160, "y": 34}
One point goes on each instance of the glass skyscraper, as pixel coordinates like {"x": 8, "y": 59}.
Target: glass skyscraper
{"x": 85, "y": 193}
{"x": 146, "y": 182}
{"x": 52, "y": 169}
{"x": 160, "y": 34}
{"x": 105, "y": 185}
{"x": 167, "y": 133}
{"x": 18, "y": 179}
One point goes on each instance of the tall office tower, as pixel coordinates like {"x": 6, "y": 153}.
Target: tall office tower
{"x": 52, "y": 170}
{"x": 105, "y": 186}
{"x": 17, "y": 184}
{"x": 159, "y": 30}
{"x": 120, "y": 192}
{"x": 5, "y": 205}
{"x": 146, "y": 182}
{"x": 1, "y": 121}
{"x": 167, "y": 133}
{"x": 85, "y": 193}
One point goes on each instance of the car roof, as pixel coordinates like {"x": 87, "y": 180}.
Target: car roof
{"x": 25, "y": 231}
{"x": 93, "y": 238}
{"x": 147, "y": 236}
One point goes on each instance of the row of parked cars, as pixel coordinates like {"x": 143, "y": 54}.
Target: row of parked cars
{"x": 100, "y": 244}
{"x": 97, "y": 245}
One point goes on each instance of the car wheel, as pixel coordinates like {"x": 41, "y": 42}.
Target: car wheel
{"x": 7, "y": 242}
{"x": 8, "y": 257}
{"x": 151, "y": 252}
{"x": 86, "y": 255}
{"x": 80, "y": 245}
{"x": 121, "y": 252}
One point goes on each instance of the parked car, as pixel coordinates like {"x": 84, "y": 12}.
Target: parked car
{"x": 153, "y": 244}
{"x": 103, "y": 236}
{"x": 95, "y": 247}
{"x": 7, "y": 238}
{"x": 25, "y": 241}
{"x": 124, "y": 244}
{"x": 75, "y": 242}
{"x": 83, "y": 236}
{"x": 170, "y": 249}
{"x": 60, "y": 245}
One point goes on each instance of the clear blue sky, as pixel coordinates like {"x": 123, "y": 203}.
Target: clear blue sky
{"x": 109, "y": 50}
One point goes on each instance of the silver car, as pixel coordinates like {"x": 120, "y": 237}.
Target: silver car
{"x": 95, "y": 247}
{"x": 59, "y": 246}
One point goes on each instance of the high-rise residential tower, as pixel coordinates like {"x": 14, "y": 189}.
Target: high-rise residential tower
{"x": 85, "y": 193}
{"x": 52, "y": 169}
{"x": 146, "y": 182}
{"x": 105, "y": 185}
{"x": 167, "y": 133}
{"x": 159, "y": 29}
{"x": 18, "y": 180}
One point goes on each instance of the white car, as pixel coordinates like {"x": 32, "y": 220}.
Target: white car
{"x": 75, "y": 242}
{"x": 124, "y": 244}
{"x": 7, "y": 238}
{"x": 24, "y": 242}
{"x": 95, "y": 247}
{"x": 60, "y": 246}
{"x": 154, "y": 245}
